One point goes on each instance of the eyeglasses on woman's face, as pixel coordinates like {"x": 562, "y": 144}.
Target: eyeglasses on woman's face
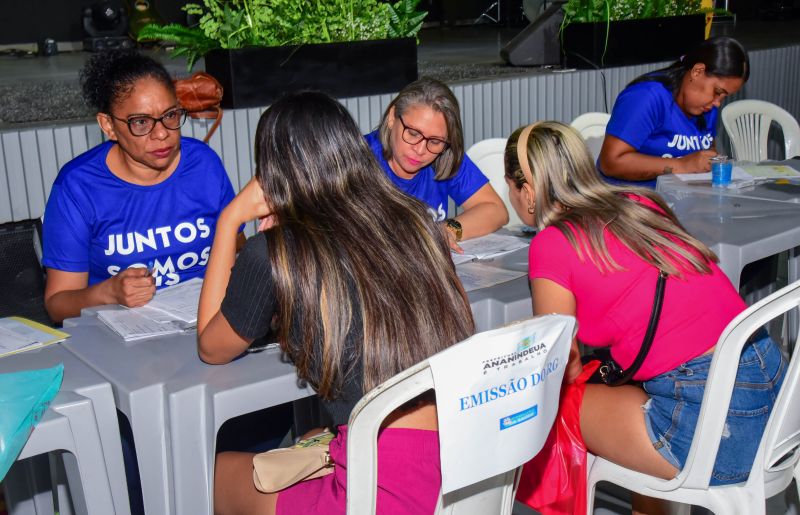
{"x": 142, "y": 125}
{"x": 413, "y": 136}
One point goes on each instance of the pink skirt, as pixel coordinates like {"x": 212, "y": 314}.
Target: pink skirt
{"x": 409, "y": 477}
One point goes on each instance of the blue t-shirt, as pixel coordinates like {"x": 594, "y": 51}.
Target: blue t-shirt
{"x": 95, "y": 222}
{"x": 646, "y": 117}
{"x": 460, "y": 187}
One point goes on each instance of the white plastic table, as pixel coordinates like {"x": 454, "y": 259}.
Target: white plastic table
{"x": 82, "y": 420}
{"x": 507, "y": 302}
{"x": 739, "y": 229}
{"x": 785, "y": 190}
{"x": 176, "y": 404}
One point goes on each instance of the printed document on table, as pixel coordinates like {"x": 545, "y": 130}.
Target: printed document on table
{"x": 737, "y": 174}
{"x": 491, "y": 245}
{"x": 746, "y": 173}
{"x": 180, "y": 301}
{"x": 132, "y": 325}
{"x": 769, "y": 171}
{"x": 475, "y": 276}
{"x": 461, "y": 258}
{"x": 19, "y": 334}
{"x": 171, "y": 311}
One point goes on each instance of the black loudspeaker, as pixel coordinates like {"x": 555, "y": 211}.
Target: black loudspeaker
{"x": 537, "y": 44}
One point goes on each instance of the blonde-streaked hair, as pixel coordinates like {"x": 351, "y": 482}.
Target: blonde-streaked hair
{"x": 571, "y": 196}
{"x": 346, "y": 243}
{"x": 428, "y": 92}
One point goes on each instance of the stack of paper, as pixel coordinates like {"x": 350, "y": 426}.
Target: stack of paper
{"x": 172, "y": 310}
{"x": 487, "y": 247}
{"x": 768, "y": 171}
{"x": 19, "y": 334}
{"x": 744, "y": 175}
{"x": 475, "y": 276}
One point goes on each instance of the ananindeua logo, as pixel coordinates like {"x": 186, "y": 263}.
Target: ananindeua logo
{"x": 525, "y": 350}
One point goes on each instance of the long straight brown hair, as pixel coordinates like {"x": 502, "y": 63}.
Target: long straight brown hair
{"x": 346, "y": 240}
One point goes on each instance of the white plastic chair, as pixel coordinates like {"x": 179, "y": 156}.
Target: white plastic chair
{"x": 488, "y": 156}
{"x": 592, "y": 127}
{"x": 747, "y": 125}
{"x": 73, "y": 455}
{"x": 492, "y": 493}
{"x": 69, "y": 425}
{"x": 777, "y": 457}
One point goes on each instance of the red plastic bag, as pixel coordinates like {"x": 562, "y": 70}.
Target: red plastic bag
{"x": 554, "y": 481}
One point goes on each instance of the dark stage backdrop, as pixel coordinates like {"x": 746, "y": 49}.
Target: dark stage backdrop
{"x": 29, "y": 21}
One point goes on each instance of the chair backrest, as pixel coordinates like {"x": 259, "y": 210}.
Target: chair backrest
{"x": 592, "y": 127}
{"x": 490, "y": 490}
{"x": 779, "y": 445}
{"x": 21, "y": 275}
{"x": 747, "y": 124}
{"x": 488, "y": 156}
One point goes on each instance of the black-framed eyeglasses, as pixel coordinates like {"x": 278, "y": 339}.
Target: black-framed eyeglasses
{"x": 142, "y": 125}
{"x": 413, "y": 136}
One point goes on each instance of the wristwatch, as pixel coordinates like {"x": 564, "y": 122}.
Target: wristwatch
{"x": 454, "y": 226}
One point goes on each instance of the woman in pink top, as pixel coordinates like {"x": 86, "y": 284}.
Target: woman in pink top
{"x": 597, "y": 257}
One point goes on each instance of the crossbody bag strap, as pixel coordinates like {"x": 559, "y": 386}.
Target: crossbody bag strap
{"x": 649, "y": 335}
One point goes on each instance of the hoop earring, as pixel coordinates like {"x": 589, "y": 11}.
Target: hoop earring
{"x": 532, "y": 208}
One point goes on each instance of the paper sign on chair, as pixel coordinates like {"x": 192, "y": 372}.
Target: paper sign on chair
{"x": 497, "y": 397}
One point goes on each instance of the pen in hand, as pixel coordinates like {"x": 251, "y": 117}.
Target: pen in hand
{"x": 151, "y": 270}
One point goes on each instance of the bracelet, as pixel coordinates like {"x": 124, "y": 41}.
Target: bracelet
{"x": 454, "y": 226}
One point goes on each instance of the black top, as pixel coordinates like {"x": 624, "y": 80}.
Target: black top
{"x": 250, "y": 304}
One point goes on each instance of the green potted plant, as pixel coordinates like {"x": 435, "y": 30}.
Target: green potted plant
{"x": 258, "y": 49}
{"x": 598, "y": 33}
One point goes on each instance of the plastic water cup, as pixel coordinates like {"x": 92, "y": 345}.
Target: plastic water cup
{"x": 721, "y": 168}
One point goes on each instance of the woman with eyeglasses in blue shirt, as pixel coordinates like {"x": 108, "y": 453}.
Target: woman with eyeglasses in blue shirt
{"x": 138, "y": 211}
{"x": 420, "y": 146}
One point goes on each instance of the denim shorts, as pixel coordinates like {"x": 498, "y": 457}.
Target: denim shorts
{"x": 672, "y": 412}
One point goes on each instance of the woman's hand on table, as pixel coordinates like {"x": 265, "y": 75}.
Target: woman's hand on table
{"x": 696, "y": 162}
{"x": 451, "y": 239}
{"x": 132, "y": 287}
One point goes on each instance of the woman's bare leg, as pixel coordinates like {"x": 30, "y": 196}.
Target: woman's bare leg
{"x": 234, "y": 491}
{"x": 613, "y": 426}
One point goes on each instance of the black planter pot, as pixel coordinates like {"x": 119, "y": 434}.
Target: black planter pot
{"x": 630, "y": 41}
{"x": 256, "y": 76}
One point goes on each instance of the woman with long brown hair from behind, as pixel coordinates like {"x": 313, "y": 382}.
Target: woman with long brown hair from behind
{"x": 357, "y": 299}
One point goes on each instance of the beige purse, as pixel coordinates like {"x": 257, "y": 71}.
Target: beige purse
{"x": 281, "y": 468}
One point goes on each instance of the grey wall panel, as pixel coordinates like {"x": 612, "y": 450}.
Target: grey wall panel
{"x": 5, "y": 190}
{"x": 34, "y": 188}
{"x": 17, "y": 190}
{"x": 490, "y": 108}
{"x": 48, "y": 158}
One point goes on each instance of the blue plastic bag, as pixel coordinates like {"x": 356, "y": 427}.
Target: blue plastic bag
{"x": 24, "y": 397}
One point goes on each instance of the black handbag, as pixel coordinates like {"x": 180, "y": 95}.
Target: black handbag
{"x": 610, "y": 372}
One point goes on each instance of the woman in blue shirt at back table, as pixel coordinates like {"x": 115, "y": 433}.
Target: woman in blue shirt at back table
{"x": 420, "y": 146}
{"x": 666, "y": 121}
